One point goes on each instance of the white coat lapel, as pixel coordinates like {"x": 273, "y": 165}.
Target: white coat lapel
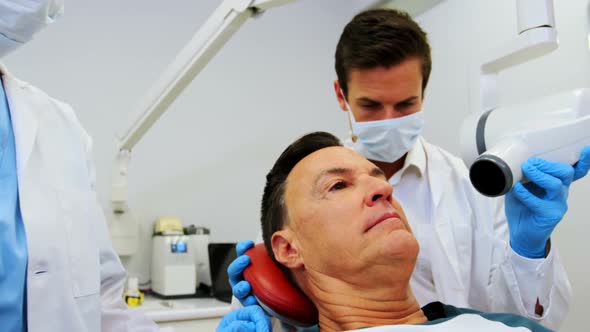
{"x": 24, "y": 120}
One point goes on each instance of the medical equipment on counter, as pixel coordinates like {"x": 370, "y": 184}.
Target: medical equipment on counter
{"x": 199, "y": 239}
{"x": 554, "y": 128}
{"x": 495, "y": 140}
{"x": 173, "y": 267}
{"x": 275, "y": 292}
{"x": 168, "y": 225}
{"x": 204, "y": 45}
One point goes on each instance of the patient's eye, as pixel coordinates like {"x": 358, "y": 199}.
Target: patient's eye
{"x": 338, "y": 185}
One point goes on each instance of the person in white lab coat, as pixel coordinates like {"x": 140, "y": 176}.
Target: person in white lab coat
{"x": 58, "y": 270}
{"x": 492, "y": 255}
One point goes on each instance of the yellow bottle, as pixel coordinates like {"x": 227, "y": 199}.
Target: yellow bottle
{"x": 132, "y": 295}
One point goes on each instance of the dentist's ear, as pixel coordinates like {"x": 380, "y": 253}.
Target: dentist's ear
{"x": 285, "y": 248}
{"x": 340, "y": 96}
{"x": 346, "y": 108}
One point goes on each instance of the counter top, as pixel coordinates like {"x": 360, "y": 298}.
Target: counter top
{"x": 166, "y": 310}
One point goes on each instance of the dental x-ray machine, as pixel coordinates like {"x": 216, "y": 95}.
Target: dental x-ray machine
{"x": 495, "y": 141}
{"x": 204, "y": 45}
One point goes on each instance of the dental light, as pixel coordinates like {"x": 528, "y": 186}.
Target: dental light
{"x": 495, "y": 140}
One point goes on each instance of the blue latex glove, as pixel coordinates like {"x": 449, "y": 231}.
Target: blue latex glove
{"x": 535, "y": 208}
{"x": 248, "y": 319}
{"x": 583, "y": 165}
{"x": 241, "y": 288}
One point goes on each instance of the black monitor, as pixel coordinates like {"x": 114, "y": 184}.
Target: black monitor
{"x": 220, "y": 256}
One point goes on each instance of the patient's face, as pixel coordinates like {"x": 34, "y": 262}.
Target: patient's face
{"x": 344, "y": 217}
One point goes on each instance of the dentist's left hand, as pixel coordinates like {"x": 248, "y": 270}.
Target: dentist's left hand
{"x": 247, "y": 319}
{"x": 534, "y": 209}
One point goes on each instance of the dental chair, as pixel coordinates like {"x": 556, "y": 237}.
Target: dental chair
{"x": 275, "y": 292}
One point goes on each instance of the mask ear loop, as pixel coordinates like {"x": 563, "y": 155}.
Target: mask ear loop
{"x": 349, "y": 113}
{"x": 352, "y": 135}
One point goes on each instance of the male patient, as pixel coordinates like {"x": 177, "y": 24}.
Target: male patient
{"x": 329, "y": 218}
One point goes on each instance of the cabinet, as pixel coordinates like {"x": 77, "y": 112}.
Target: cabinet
{"x": 205, "y": 324}
{"x": 185, "y": 315}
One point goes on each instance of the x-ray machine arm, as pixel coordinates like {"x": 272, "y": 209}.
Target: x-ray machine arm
{"x": 536, "y": 37}
{"x": 204, "y": 45}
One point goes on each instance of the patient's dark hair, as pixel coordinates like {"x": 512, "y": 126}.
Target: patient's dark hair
{"x": 381, "y": 38}
{"x": 273, "y": 212}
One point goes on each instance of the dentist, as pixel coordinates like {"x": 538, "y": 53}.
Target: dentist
{"x": 58, "y": 270}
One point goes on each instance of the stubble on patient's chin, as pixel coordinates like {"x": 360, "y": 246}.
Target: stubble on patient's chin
{"x": 399, "y": 246}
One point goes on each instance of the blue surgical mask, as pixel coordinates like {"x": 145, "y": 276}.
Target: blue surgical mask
{"x": 385, "y": 140}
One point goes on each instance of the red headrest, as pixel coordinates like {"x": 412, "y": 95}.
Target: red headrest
{"x": 274, "y": 290}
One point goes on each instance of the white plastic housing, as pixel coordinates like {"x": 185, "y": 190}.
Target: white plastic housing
{"x": 554, "y": 128}
{"x": 534, "y": 13}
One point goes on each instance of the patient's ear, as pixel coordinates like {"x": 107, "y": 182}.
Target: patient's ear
{"x": 284, "y": 246}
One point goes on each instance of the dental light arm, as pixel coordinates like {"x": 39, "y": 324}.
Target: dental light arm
{"x": 204, "y": 45}
{"x": 497, "y": 140}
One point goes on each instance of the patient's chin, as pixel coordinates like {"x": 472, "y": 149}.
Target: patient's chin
{"x": 400, "y": 245}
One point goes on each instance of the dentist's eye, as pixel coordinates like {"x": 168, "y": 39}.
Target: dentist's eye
{"x": 338, "y": 186}
{"x": 371, "y": 107}
{"x": 405, "y": 105}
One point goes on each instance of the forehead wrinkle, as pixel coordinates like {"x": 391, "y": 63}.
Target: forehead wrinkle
{"x": 304, "y": 170}
{"x": 377, "y": 82}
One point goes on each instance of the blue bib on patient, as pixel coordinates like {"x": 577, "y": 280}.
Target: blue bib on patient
{"x": 13, "y": 244}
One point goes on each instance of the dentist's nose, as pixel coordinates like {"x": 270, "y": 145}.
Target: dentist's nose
{"x": 378, "y": 190}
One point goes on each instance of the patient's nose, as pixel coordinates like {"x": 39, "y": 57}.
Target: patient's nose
{"x": 379, "y": 190}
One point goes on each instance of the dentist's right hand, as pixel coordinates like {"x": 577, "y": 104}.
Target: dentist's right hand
{"x": 249, "y": 319}
{"x": 241, "y": 289}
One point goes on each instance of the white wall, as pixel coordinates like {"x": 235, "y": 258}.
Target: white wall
{"x": 205, "y": 160}
{"x": 460, "y": 32}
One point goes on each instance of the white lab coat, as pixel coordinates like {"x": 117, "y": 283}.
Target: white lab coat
{"x": 74, "y": 278}
{"x": 472, "y": 262}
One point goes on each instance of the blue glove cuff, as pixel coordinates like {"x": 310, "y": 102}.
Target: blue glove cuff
{"x": 533, "y": 253}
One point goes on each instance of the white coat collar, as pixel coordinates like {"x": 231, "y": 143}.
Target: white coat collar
{"x": 415, "y": 158}
{"x": 24, "y": 120}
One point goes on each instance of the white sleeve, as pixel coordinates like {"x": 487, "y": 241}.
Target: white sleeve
{"x": 527, "y": 280}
